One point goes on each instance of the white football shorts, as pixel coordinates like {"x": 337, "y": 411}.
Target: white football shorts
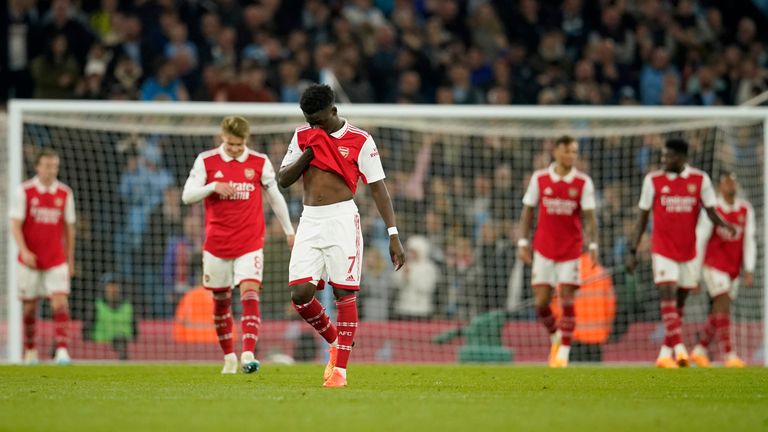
{"x": 329, "y": 244}
{"x": 668, "y": 272}
{"x": 719, "y": 282}
{"x": 221, "y": 274}
{"x": 34, "y": 283}
{"x": 549, "y": 272}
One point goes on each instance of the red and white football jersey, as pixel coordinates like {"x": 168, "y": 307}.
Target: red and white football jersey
{"x": 560, "y": 201}
{"x": 235, "y": 225}
{"x": 675, "y": 200}
{"x": 43, "y": 212}
{"x": 349, "y": 152}
{"x": 723, "y": 251}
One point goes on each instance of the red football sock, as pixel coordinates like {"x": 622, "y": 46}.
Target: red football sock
{"x": 723, "y": 324}
{"x": 30, "y": 327}
{"x": 546, "y": 318}
{"x": 567, "y": 321}
{"x": 672, "y": 323}
{"x": 710, "y": 328}
{"x": 346, "y": 325}
{"x": 251, "y": 319}
{"x": 314, "y": 314}
{"x": 61, "y": 323}
{"x": 222, "y": 319}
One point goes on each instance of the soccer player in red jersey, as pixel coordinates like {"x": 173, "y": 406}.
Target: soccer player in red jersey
{"x": 563, "y": 196}
{"x": 724, "y": 256}
{"x": 675, "y": 195}
{"x": 43, "y": 225}
{"x": 230, "y": 179}
{"x": 332, "y": 155}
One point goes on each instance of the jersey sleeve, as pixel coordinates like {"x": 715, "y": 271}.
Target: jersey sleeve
{"x": 750, "y": 244}
{"x": 708, "y": 197}
{"x": 369, "y": 162}
{"x": 70, "y": 215}
{"x": 704, "y": 228}
{"x": 267, "y": 174}
{"x": 18, "y": 208}
{"x": 646, "y": 194}
{"x": 588, "y": 195}
{"x": 531, "y": 197}
{"x": 293, "y": 153}
{"x": 195, "y": 188}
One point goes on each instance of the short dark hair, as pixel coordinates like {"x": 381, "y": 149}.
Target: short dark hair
{"x": 316, "y": 97}
{"x": 677, "y": 145}
{"x": 46, "y": 152}
{"x": 564, "y": 140}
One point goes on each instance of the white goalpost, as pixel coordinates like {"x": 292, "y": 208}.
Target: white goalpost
{"x": 456, "y": 174}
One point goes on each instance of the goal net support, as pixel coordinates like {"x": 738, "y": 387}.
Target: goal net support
{"x": 456, "y": 176}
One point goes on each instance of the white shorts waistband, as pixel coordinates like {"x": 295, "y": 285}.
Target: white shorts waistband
{"x": 331, "y": 210}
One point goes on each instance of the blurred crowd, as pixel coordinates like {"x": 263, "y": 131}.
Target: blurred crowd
{"x": 586, "y": 52}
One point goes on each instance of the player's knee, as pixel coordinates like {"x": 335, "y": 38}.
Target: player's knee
{"x": 302, "y": 293}
{"x": 222, "y": 295}
{"x": 249, "y": 286}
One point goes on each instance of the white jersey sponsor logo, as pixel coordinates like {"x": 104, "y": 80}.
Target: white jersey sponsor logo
{"x": 559, "y": 206}
{"x": 679, "y": 204}
{"x": 242, "y": 191}
{"x": 45, "y": 215}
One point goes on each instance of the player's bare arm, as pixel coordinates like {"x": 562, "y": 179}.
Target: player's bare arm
{"x": 634, "y": 241}
{"x": 714, "y": 216}
{"x": 288, "y": 174}
{"x": 384, "y": 205}
{"x": 27, "y": 257}
{"x": 523, "y": 247}
{"x": 590, "y": 230}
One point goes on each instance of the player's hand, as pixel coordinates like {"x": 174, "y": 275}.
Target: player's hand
{"x": 524, "y": 254}
{"x": 224, "y": 189}
{"x": 749, "y": 279}
{"x": 28, "y": 258}
{"x": 396, "y": 252}
{"x": 290, "y": 238}
{"x": 630, "y": 262}
{"x": 71, "y": 265}
{"x": 731, "y": 228}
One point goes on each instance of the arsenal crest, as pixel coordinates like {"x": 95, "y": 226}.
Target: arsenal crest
{"x": 249, "y": 173}
{"x": 691, "y": 187}
{"x": 58, "y": 202}
{"x": 35, "y": 201}
{"x": 207, "y": 278}
{"x": 344, "y": 151}
{"x": 741, "y": 218}
{"x": 572, "y": 192}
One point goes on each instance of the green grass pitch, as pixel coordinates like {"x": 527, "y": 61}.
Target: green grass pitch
{"x": 186, "y": 398}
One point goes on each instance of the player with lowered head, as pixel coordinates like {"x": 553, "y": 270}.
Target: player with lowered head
{"x": 43, "y": 225}
{"x": 332, "y": 155}
{"x": 724, "y": 256}
{"x": 675, "y": 194}
{"x": 563, "y": 196}
{"x": 230, "y": 178}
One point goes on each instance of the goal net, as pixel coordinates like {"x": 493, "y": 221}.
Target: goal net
{"x": 456, "y": 176}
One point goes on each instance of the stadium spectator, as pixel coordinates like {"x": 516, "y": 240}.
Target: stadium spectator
{"x": 164, "y": 85}
{"x": 56, "y": 72}
{"x": 111, "y": 318}
{"x": 417, "y": 283}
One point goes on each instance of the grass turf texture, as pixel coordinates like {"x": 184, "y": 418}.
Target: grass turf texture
{"x": 381, "y": 398}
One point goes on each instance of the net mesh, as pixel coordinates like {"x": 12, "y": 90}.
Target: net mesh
{"x": 456, "y": 186}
